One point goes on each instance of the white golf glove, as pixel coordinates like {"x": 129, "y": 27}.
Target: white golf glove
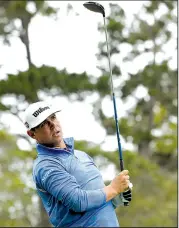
{"x": 122, "y": 198}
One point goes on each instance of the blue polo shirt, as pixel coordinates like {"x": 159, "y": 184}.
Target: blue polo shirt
{"x": 70, "y": 187}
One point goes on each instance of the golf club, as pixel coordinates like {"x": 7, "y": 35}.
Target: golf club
{"x": 98, "y": 8}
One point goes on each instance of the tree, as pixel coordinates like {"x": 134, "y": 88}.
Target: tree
{"x": 156, "y": 110}
{"x": 155, "y": 190}
{"x": 20, "y": 205}
{"x": 18, "y": 208}
{"x": 15, "y": 20}
{"x": 25, "y": 87}
{"x": 16, "y": 17}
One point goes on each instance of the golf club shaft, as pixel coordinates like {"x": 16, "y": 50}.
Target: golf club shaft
{"x": 114, "y": 101}
{"x": 96, "y": 7}
{"x": 114, "y": 104}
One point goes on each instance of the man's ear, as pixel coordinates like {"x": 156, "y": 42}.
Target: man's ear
{"x": 31, "y": 134}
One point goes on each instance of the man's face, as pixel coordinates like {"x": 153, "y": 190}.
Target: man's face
{"x": 49, "y": 132}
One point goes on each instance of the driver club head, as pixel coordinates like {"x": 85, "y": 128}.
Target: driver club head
{"x": 95, "y": 7}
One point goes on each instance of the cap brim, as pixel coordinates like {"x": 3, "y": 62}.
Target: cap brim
{"x": 45, "y": 116}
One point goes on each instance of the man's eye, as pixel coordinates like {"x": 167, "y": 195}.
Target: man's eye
{"x": 42, "y": 124}
{"x": 53, "y": 117}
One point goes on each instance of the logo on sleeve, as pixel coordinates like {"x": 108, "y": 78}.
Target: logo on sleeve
{"x": 46, "y": 175}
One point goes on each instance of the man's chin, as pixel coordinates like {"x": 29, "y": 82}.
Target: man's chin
{"x": 58, "y": 139}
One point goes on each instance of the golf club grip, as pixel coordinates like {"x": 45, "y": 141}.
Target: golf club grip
{"x": 122, "y": 168}
{"x": 121, "y": 164}
{"x": 127, "y": 203}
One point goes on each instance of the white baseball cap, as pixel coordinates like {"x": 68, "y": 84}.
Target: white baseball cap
{"x": 37, "y": 112}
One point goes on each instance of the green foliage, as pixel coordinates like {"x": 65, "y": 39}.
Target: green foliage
{"x": 11, "y": 11}
{"x": 16, "y": 194}
{"x": 102, "y": 85}
{"x": 27, "y": 84}
{"x": 154, "y": 200}
{"x": 115, "y": 26}
{"x": 152, "y": 167}
{"x": 23, "y": 211}
{"x": 159, "y": 80}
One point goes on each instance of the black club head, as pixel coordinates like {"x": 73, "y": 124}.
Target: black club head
{"x": 95, "y": 7}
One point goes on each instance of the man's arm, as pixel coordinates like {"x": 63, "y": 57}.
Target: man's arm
{"x": 53, "y": 178}
{"x": 58, "y": 182}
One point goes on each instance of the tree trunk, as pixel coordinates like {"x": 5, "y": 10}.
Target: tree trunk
{"x": 28, "y": 48}
{"x": 24, "y": 36}
{"x": 143, "y": 149}
{"x": 44, "y": 219}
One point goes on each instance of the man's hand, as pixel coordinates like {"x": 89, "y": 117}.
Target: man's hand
{"x": 118, "y": 185}
{"x": 121, "y": 182}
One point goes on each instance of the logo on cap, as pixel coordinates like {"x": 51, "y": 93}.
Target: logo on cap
{"x": 37, "y": 112}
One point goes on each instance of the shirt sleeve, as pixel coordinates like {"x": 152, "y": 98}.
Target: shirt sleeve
{"x": 53, "y": 178}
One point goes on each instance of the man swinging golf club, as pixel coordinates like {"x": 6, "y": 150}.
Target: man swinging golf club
{"x": 67, "y": 180}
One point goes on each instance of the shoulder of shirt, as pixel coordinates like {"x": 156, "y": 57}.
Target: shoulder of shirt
{"x": 43, "y": 161}
{"x": 79, "y": 151}
{"x": 82, "y": 153}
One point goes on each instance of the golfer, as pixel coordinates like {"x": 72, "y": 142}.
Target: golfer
{"x": 67, "y": 180}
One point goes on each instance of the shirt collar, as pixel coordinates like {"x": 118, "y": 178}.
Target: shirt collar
{"x": 41, "y": 149}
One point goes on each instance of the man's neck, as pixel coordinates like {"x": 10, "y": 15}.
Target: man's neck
{"x": 61, "y": 145}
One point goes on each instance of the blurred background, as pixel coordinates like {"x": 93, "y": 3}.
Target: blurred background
{"x": 56, "y": 51}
